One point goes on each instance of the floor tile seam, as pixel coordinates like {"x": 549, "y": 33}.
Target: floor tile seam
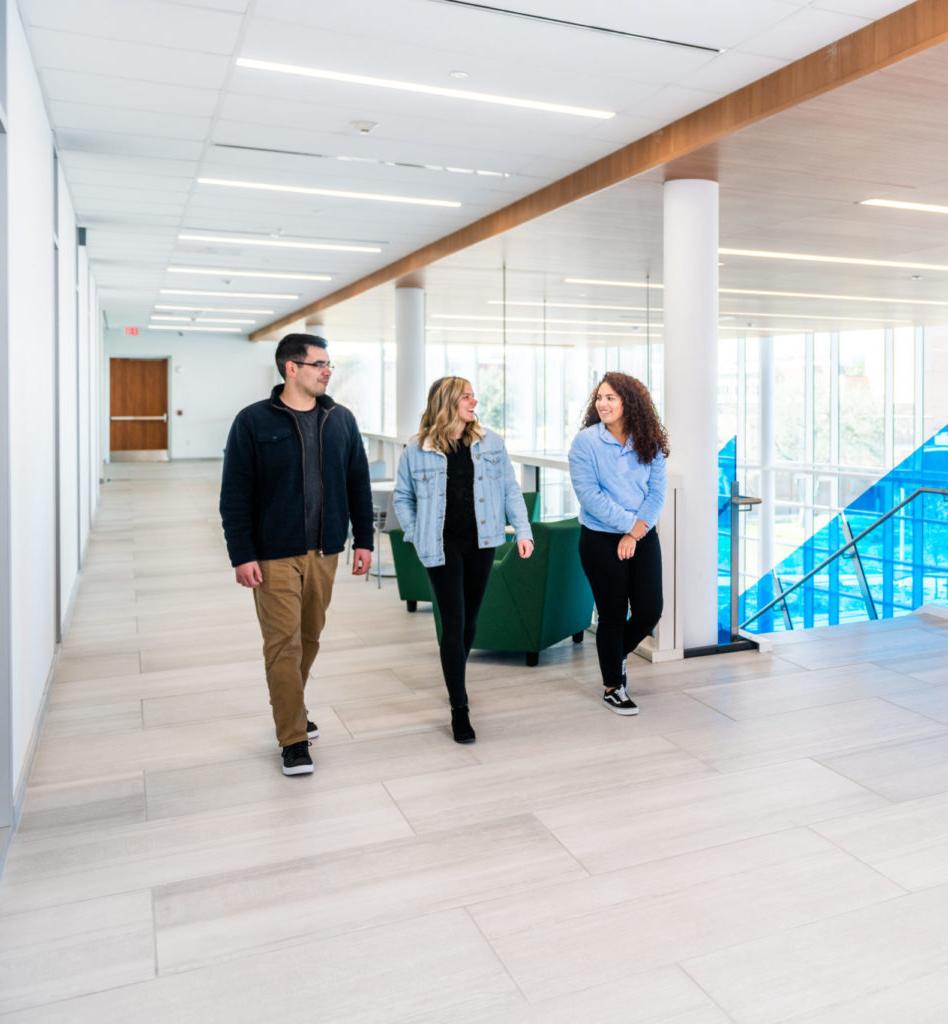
{"x": 64, "y": 1000}
{"x": 922, "y": 714}
{"x": 496, "y": 954}
{"x": 800, "y": 926}
{"x": 399, "y": 808}
{"x": 874, "y": 868}
{"x": 681, "y": 891}
{"x": 305, "y": 938}
{"x": 680, "y": 966}
{"x": 818, "y": 707}
{"x": 96, "y": 833}
{"x": 53, "y": 907}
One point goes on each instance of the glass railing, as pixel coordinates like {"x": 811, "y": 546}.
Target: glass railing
{"x": 865, "y": 565}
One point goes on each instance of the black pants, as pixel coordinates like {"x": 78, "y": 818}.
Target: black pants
{"x": 618, "y": 587}
{"x": 459, "y": 587}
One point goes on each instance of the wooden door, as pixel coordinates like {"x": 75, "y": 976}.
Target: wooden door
{"x": 139, "y": 407}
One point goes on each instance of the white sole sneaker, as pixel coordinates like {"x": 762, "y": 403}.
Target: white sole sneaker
{"x": 300, "y": 769}
{"x": 314, "y": 734}
{"x": 622, "y": 705}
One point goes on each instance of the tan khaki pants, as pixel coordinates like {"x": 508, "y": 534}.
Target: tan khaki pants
{"x": 291, "y": 607}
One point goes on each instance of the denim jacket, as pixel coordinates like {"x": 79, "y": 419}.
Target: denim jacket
{"x": 420, "y": 497}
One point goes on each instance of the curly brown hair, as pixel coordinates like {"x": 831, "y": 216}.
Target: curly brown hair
{"x": 639, "y": 416}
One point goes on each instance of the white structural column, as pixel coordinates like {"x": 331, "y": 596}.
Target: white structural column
{"x": 767, "y": 452}
{"x": 691, "y": 388}
{"x": 768, "y": 490}
{"x": 410, "y": 383}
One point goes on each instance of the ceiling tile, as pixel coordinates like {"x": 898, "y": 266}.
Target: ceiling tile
{"x": 70, "y": 52}
{"x": 802, "y": 33}
{"x": 171, "y": 26}
{"x": 132, "y": 94}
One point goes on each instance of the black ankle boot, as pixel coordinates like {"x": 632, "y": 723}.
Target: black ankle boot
{"x": 461, "y": 726}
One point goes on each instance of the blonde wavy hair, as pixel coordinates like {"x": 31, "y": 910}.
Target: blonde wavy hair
{"x": 440, "y": 420}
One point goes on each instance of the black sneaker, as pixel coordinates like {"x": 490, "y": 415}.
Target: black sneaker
{"x": 461, "y": 726}
{"x": 620, "y": 702}
{"x": 296, "y": 759}
{"x": 312, "y": 730}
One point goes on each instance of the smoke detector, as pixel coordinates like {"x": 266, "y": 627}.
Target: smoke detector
{"x": 364, "y": 127}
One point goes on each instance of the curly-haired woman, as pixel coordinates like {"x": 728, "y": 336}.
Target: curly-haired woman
{"x": 454, "y": 491}
{"x": 617, "y": 465}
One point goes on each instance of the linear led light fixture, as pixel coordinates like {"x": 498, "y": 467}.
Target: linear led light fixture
{"x": 612, "y": 284}
{"x": 768, "y": 292}
{"x": 901, "y": 204}
{"x": 203, "y": 319}
{"x": 540, "y": 303}
{"x": 540, "y": 320}
{"x": 215, "y": 309}
{"x": 203, "y": 330}
{"x": 228, "y": 295}
{"x": 428, "y": 90}
{"x": 279, "y": 243}
{"x": 856, "y": 261}
{"x": 745, "y": 315}
{"x": 218, "y": 272}
{"x": 536, "y": 333}
{"x": 334, "y": 193}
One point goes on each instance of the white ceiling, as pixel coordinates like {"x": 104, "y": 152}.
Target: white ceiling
{"x": 145, "y": 97}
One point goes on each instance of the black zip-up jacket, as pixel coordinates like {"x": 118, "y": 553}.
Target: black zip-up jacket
{"x": 262, "y": 506}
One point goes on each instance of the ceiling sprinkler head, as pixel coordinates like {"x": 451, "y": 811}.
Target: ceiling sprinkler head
{"x": 364, "y": 127}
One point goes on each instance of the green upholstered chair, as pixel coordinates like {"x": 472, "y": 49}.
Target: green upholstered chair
{"x": 413, "y": 583}
{"x": 410, "y": 574}
{"x": 533, "y": 603}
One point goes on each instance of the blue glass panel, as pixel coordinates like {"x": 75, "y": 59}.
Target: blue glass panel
{"x": 904, "y": 561}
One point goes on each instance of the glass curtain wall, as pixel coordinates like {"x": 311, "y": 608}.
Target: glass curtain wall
{"x": 859, "y": 420}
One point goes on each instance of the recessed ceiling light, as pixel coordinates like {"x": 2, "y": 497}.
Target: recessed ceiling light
{"x": 216, "y": 309}
{"x": 459, "y": 74}
{"x": 203, "y": 330}
{"x": 319, "y": 246}
{"x": 226, "y": 295}
{"x": 180, "y": 319}
{"x": 899, "y": 204}
{"x": 855, "y": 261}
{"x": 428, "y": 90}
{"x": 331, "y": 192}
{"x": 217, "y": 272}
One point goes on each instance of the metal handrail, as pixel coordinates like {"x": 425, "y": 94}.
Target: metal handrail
{"x": 849, "y": 544}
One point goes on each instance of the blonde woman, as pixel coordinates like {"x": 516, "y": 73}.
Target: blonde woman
{"x": 454, "y": 492}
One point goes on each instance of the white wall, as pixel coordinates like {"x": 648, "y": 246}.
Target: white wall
{"x": 31, "y": 383}
{"x": 213, "y": 377}
{"x": 69, "y": 432}
{"x": 38, "y": 524}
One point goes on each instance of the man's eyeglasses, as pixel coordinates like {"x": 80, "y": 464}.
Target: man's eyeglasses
{"x": 320, "y": 364}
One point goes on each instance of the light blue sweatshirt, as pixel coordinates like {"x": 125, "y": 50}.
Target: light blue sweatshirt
{"x": 613, "y": 487}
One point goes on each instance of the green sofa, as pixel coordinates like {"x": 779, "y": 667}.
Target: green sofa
{"x": 413, "y": 584}
{"x": 533, "y": 603}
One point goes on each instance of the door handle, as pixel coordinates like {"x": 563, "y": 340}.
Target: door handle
{"x": 148, "y": 419}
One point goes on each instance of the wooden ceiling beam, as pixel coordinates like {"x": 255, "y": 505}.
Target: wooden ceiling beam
{"x": 885, "y": 42}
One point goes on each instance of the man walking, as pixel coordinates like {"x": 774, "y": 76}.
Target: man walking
{"x": 295, "y": 475}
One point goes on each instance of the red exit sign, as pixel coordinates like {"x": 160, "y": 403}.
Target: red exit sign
{"x": 131, "y": 330}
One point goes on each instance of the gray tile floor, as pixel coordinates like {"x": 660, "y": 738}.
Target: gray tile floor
{"x": 766, "y": 842}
